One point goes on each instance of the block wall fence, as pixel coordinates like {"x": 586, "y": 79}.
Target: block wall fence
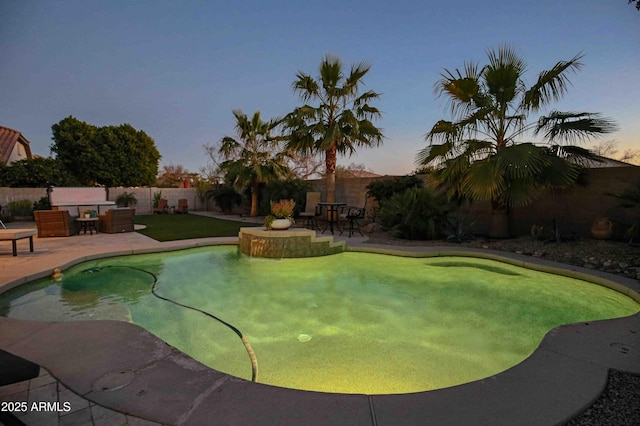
{"x": 574, "y": 210}
{"x": 143, "y": 195}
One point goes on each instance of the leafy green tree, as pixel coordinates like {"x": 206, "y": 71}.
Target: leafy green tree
{"x": 37, "y": 172}
{"x": 110, "y": 155}
{"x": 255, "y": 157}
{"x": 479, "y": 155}
{"x": 341, "y": 120}
{"x": 172, "y": 176}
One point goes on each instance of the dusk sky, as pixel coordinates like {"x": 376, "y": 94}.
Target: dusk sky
{"x": 176, "y": 69}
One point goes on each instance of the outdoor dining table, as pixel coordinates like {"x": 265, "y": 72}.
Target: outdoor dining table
{"x": 332, "y": 213}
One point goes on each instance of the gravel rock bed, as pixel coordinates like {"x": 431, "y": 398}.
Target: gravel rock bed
{"x": 609, "y": 256}
{"x": 618, "y": 405}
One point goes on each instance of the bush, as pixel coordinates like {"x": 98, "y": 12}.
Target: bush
{"x": 225, "y": 197}
{"x": 415, "y": 214}
{"x": 42, "y": 204}
{"x": 630, "y": 199}
{"x": 156, "y": 198}
{"x": 290, "y": 189}
{"x": 383, "y": 190}
{"x": 126, "y": 199}
{"x": 20, "y": 208}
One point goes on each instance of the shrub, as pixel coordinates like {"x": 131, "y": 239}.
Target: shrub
{"x": 290, "y": 189}
{"x": 630, "y": 199}
{"x": 225, "y": 197}
{"x": 126, "y": 198}
{"x": 415, "y": 214}
{"x": 156, "y": 198}
{"x": 42, "y": 204}
{"x": 20, "y": 208}
{"x": 383, "y": 190}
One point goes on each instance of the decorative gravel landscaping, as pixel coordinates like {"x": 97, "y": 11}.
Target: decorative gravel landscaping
{"x": 610, "y": 256}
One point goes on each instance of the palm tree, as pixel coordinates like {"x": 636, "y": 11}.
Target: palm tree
{"x": 479, "y": 155}
{"x": 255, "y": 157}
{"x": 341, "y": 120}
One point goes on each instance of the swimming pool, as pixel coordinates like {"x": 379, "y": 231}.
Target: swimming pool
{"x": 351, "y": 323}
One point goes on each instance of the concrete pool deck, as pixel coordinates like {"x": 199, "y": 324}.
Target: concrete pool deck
{"x": 122, "y": 367}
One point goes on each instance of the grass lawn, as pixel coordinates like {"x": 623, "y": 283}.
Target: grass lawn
{"x": 171, "y": 227}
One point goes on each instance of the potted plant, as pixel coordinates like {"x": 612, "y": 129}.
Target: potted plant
{"x": 281, "y": 217}
{"x": 87, "y": 214}
{"x": 602, "y": 228}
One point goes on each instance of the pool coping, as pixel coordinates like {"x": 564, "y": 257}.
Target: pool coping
{"x": 564, "y": 375}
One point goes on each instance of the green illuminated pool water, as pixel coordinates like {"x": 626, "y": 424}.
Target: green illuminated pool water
{"x": 352, "y": 323}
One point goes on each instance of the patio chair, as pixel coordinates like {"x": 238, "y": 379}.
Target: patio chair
{"x": 353, "y": 214}
{"x": 183, "y": 206}
{"x": 311, "y": 210}
{"x": 55, "y": 223}
{"x": 162, "y": 208}
{"x": 117, "y": 220}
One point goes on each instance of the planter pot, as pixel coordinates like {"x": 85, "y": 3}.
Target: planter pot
{"x": 602, "y": 228}
{"x": 280, "y": 224}
{"x": 87, "y": 215}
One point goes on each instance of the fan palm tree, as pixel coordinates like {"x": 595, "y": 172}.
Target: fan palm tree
{"x": 341, "y": 119}
{"x": 255, "y": 157}
{"x": 480, "y": 156}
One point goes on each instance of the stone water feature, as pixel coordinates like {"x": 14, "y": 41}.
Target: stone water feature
{"x": 297, "y": 242}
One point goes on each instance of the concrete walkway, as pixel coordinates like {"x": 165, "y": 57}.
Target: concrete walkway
{"x": 117, "y": 373}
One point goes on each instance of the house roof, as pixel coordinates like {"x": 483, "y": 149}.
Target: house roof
{"x": 605, "y": 162}
{"x": 8, "y": 140}
{"x": 363, "y": 174}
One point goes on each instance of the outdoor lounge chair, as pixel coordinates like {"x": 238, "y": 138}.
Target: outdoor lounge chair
{"x": 183, "y": 206}
{"x": 311, "y": 210}
{"x": 162, "y": 208}
{"x": 55, "y": 223}
{"x": 117, "y": 220}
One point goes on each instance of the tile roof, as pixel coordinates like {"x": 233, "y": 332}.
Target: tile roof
{"x": 363, "y": 174}
{"x": 8, "y": 139}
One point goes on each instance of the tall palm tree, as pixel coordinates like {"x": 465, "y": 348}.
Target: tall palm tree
{"x": 341, "y": 119}
{"x": 255, "y": 157}
{"x": 480, "y": 155}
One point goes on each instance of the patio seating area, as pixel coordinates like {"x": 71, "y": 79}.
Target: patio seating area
{"x": 59, "y": 223}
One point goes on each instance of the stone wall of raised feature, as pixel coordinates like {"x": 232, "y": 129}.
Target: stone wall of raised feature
{"x": 258, "y": 242}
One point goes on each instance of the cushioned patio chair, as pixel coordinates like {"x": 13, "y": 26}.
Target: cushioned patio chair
{"x": 117, "y": 220}
{"x": 55, "y": 223}
{"x": 311, "y": 211}
{"x": 162, "y": 208}
{"x": 183, "y": 206}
